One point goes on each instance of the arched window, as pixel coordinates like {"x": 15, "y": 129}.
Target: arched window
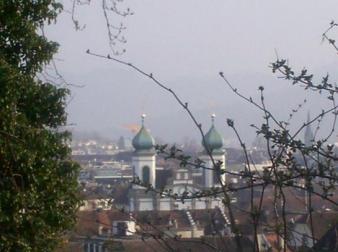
{"x": 216, "y": 177}
{"x": 146, "y": 174}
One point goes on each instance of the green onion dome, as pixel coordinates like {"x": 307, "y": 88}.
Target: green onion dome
{"x": 213, "y": 139}
{"x": 143, "y": 141}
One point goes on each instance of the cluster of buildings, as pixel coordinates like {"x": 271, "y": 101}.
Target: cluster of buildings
{"x": 124, "y": 213}
{"x": 144, "y": 167}
{"x": 97, "y": 147}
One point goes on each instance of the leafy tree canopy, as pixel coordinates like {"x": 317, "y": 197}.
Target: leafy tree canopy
{"x": 38, "y": 180}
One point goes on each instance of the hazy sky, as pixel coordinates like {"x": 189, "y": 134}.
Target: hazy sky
{"x": 185, "y": 43}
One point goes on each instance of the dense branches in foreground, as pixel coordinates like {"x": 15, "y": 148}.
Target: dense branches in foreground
{"x": 306, "y": 165}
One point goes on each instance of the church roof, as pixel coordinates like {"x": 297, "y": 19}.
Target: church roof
{"x": 213, "y": 140}
{"x": 143, "y": 141}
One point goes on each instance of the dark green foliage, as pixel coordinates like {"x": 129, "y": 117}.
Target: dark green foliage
{"x": 38, "y": 180}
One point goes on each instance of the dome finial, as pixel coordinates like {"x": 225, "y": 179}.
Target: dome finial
{"x": 213, "y": 116}
{"x": 143, "y": 116}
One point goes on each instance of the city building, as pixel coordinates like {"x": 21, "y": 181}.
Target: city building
{"x": 142, "y": 197}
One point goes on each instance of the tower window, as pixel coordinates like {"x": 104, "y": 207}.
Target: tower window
{"x": 146, "y": 174}
{"x": 216, "y": 177}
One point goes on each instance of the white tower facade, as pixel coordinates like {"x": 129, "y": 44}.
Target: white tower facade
{"x": 144, "y": 165}
{"x": 144, "y": 158}
{"x": 212, "y": 176}
{"x": 213, "y": 157}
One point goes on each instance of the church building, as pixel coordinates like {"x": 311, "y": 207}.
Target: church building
{"x": 144, "y": 169}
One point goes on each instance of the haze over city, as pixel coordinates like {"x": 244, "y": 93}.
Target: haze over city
{"x": 139, "y": 125}
{"x": 185, "y": 44}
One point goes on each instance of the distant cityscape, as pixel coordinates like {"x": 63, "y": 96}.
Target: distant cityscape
{"x": 115, "y": 208}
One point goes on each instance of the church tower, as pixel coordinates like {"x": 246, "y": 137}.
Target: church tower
{"x": 213, "y": 144}
{"x": 308, "y": 135}
{"x": 143, "y": 160}
{"x": 144, "y": 168}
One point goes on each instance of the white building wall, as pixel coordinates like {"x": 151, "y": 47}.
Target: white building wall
{"x": 146, "y": 205}
{"x": 165, "y": 205}
{"x": 139, "y": 161}
{"x": 209, "y": 173}
{"x": 216, "y": 203}
{"x": 199, "y": 204}
{"x": 131, "y": 227}
{"x": 186, "y": 205}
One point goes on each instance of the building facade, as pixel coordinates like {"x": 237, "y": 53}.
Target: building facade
{"x": 143, "y": 198}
